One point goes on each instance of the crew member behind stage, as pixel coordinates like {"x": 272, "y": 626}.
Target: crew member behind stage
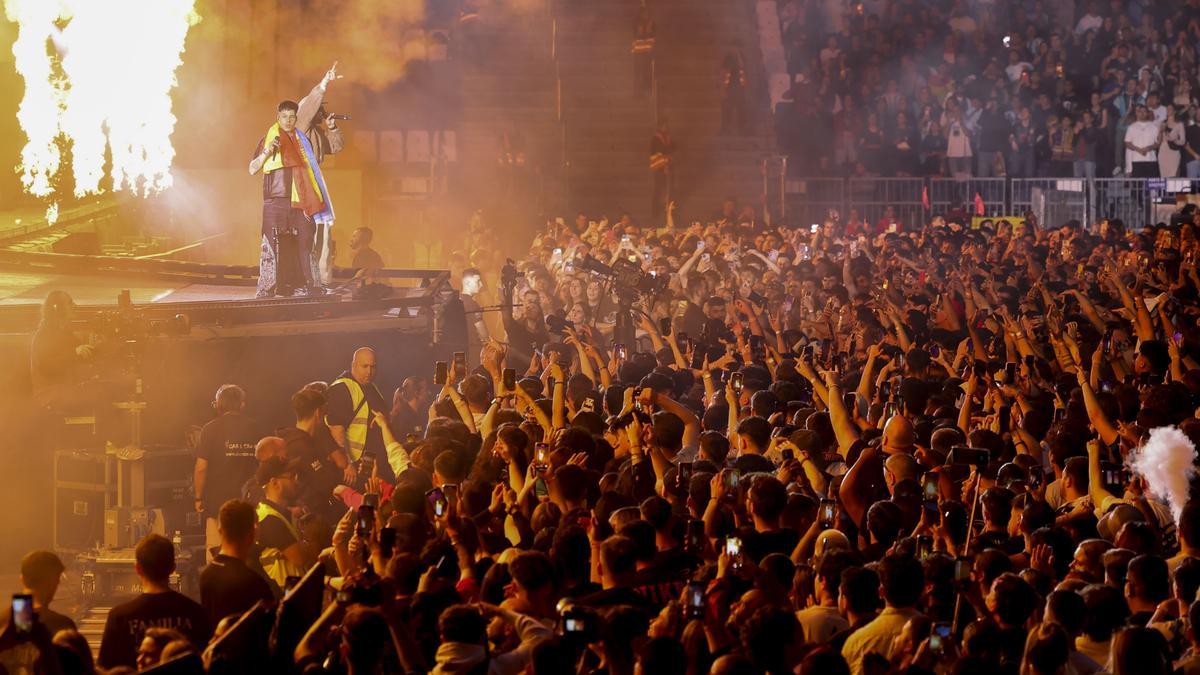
{"x": 224, "y": 458}
{"x": 366, "y": 261}
{"x": 57, "y": 355}
{"x": 295, "y": 202}
{"x": 353, "y": 400}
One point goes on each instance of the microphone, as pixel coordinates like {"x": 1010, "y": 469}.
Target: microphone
{"x": 340, "y": 117}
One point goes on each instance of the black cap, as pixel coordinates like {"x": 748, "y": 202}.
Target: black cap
{"x": 274, "y": 467}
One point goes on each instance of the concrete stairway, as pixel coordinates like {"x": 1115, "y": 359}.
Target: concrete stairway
{"x": 511, "y": 87}
{"x": 608, "y": 126}
{"x": 694, "y": 37}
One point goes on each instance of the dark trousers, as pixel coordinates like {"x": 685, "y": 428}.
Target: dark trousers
{"x": 291, "y": 267}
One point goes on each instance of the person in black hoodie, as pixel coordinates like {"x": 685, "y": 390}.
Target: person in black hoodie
{"x": 316, "y": 451}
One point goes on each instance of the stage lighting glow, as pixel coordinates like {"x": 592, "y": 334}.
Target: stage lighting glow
{"x": 98, "y": 79}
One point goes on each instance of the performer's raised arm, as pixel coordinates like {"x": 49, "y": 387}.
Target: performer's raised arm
{"x": 311, "y": 103}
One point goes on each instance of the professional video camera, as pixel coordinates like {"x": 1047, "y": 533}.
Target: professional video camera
{"x": 122, "y": 329}
{"x": 627, "y": 276}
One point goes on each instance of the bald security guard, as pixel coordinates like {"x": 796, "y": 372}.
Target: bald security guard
{"x": 353, "y": 401}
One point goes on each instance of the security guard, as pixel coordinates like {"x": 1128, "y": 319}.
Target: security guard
{"x": 353, "y": 402}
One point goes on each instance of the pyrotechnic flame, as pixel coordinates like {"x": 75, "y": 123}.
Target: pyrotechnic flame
{"x": 103, "y": 85}
{"x": 42, "y": 106}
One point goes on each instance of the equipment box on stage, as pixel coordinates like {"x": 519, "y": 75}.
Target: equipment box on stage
{"x": 159, "y": 478}
{"x": 87, "y": 482}
{"x": 80, "y": 494}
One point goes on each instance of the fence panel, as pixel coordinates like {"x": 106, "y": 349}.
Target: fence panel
{"x": 1125, "y": 198}
{"x": 810, "y": 199}
{"x": 946, "y": 194}
{"x": 1165, "y": 197}
{"x": 871, "y": 198}
{"x": 1053, "y": 201}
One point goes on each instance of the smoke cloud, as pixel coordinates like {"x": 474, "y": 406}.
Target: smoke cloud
{"x": 1167, "y": 462}
{"x": 373, "y": 39}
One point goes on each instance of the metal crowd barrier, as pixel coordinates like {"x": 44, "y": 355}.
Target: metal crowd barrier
{"x": 1058, "y": 199}
{"x": 872, "y": 197}
{"x": 1136, "y": 201}
{"x": 946, "y": 194}
{"x": 809, "y": 200}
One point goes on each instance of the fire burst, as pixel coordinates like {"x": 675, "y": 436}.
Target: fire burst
{"x": 98, "y": 75}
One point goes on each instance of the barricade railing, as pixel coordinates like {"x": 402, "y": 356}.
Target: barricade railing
{"x": 986, "y": 195}
{"x": 809, "y": 200}
{"x": 872, "y": 197}
{"x": 774, "y": 187}
{"x": 1053, "y": 201}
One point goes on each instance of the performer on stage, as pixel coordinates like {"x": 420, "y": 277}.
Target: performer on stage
{"x": 295, "y": 199}
{"x": 326, "y": 139}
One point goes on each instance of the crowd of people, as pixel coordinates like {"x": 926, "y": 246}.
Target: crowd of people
{"x": 992, "y": 88}
{"x": 717, "y": 447}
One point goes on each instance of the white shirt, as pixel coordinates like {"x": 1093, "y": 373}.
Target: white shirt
{"x": 1054, "y": 495}
{"x": 821, "y": 623}
{"x": 1142, "y": 135}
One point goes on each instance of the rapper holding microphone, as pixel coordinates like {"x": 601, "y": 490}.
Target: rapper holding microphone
{"x": 297, "y": 210}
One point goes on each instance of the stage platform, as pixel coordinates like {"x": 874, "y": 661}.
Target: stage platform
{"x": 24, "y": 288}
{"x": 194, "y": 325}
{"x": 217, "y": 296}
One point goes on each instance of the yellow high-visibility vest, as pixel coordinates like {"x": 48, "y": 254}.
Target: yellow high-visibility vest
{"x": 273, "y": 561}
{"x": 360, "y": 424}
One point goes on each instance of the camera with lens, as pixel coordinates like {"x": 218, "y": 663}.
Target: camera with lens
{"x": 627, "y": 276}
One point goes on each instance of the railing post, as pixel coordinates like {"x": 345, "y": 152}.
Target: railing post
{"x": 783, "y": 165}
{"x": 763, "y": 166}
